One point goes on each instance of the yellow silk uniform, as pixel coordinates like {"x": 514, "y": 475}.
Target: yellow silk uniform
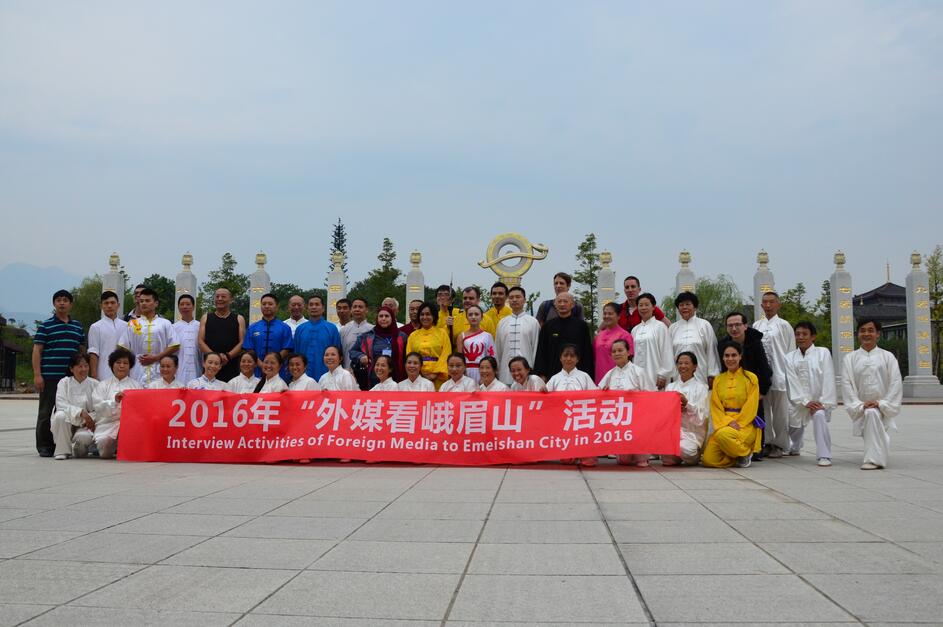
{"x": 735, "y": 397}
{"x": 492, "y": 317}
{"x": 435, "y": 347}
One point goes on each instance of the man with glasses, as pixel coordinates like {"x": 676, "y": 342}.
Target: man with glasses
{"x": 754, "y": 357}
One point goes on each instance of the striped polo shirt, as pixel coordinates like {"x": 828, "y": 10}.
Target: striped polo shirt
{"x": 60, "y": 340}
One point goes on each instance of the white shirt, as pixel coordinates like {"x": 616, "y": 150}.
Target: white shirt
{"x": 653, "y": 348}
{"x": 103, "y": 339}
{"x": 571, "y": 381}
{"x": 339, "y": 380}
{"x": 515, "y": 336}
{"x": 294, "y": 324}
{"x": 241, "y": 384}
{"x": 421, "y": 384}
{"x": 809, "y": 378}
{"x": 533, "y": 384}
{"x": 496, "y": 386}
{"x": 695, "y": 415}
{"x": 147, "y": 337}
{"x": 628, "y": 377}
{"x": 349, "y": 334}
{"x": 275, "y": 384}
{"x": 202, "y": 383}
{"x": 190, "y": 364}
{"x": 386, "y": 386}
{"x": 465, "y": 384}
{"x": 871, "y": 376}
{"x": 106, "y": 409}
{"x": 304, "y": 383}
{"x": 160, "y": 384}
{"x": 697, "y": 336}
{"x": 73, "y": 397}
{"x": 778, "y": 341}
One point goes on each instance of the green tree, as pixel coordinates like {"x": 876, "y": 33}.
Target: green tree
{"x": 338, "y": 244}
{"x": 381, "y": 282}
{"x": 86, "y": 308}
{"x": 823, "y": 315}
{"x": 934, "y": 265}
{"x": 587, "y": 275}
{"x": 716, "y": 298}
{"x": 532, "y": 299}
{"x": 226, "y": 276}
{"x": 794, "y": 306}
{"x": 167, "y": 293}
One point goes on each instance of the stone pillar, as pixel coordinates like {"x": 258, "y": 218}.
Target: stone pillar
{"x": 920, "y": 381}
{"x": 762, "y": 283}
{"x": 605, "y": 282}
{"x": 415, "y": 282}
{"x": 685, "y": 280}
{"x": 114, "y": 281}
{"x": 185, "y": 284}
{"x": 843, "y": 321}
{"x": 336, "y": 285}
{"x": 259, "y": 284}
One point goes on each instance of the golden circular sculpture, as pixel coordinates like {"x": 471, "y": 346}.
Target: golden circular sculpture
{"x": 526, "y": 254}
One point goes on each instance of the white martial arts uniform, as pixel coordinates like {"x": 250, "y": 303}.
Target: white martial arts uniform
{"x": 872, "y": 376}
{"x": 778, "y": 341}
{"x": 533, "y": 384}
{"x": 202, "y": 383}
{"x": 465, "y": 384}
{"x": 241, "y": 384}
{"x": 496, "y": 386}
{"x": 275, "y": 384}
{"x": 386, "y": 386}
{"x": 339, "y": 380}
{"x": 694, "y": 417}
{"x": 571, "y": 381}
{"x": 697, "y": 336}
{"x": 653, "y": 348}
{"x": 160, "y": 384}
{"x": 294, "y": 324}
{"x": 190, "y": 362}
{"x": 810, "y": 377}
{"x": 304, "y": 383}
{"x": 421, "y": 384}
{"x": 107, "y": 413}
{"x": 515, "y": 336}
{"x": 147, "y": 337}
{"x": 72, "y": 398}
{"x": 349, "y": 334}
{"x": 628, "y": 377}
{"x": 103, "y": 339}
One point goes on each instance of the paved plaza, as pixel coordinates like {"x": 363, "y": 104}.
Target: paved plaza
{"x": 90, "y": 542}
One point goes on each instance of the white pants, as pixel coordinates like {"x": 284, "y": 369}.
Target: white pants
{"x": 823, "y": 439}
{"x": 106, "y": 439}
{"x": 65, "y": 434}
{"x": 776, "y": 414}
{"x": 877, "y": 442}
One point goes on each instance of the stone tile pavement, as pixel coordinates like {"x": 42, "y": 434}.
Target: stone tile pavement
{"x": 90, "y": 542}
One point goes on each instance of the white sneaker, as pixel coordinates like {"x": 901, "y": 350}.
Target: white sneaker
{"x": 869, "y": 466}
{"x": 824, "y": 461}
{"x": 793, "y": 453}
{"x": 744, "y": 462}
{"x": 61, "y": 456}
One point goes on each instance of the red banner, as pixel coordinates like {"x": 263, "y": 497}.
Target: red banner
{"x": 453, "y": 428}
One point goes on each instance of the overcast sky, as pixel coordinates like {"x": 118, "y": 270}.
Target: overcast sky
{"x": 721, "y": 127}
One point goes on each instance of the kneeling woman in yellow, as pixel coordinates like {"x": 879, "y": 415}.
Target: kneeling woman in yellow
{"x": 734, "y": 401}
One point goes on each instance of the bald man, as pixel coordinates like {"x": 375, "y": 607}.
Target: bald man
{"x": 296, "y": 313}
{"x": 558, "y": 332}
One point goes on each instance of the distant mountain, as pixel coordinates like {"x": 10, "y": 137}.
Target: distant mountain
{"x": 27, "y": 288}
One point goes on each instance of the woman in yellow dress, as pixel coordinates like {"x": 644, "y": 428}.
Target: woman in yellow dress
{"x": 433, "y": 344}
{"x": 734, "y": 401}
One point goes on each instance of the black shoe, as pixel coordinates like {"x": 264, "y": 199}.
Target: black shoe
{"x": 46, "y": 452}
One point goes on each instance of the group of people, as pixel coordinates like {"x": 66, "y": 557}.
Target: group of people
{"x": 747, "y": 396}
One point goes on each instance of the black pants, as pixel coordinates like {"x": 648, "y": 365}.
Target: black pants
{"x": 47, "y": 402}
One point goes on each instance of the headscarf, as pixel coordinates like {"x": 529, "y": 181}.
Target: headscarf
{"x": 392, "y": 333}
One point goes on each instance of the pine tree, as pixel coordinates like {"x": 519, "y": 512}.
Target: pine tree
{"x": 587, "y": 275}
{"x": 338, "y": 244}
{"x": 226, "y": 276}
